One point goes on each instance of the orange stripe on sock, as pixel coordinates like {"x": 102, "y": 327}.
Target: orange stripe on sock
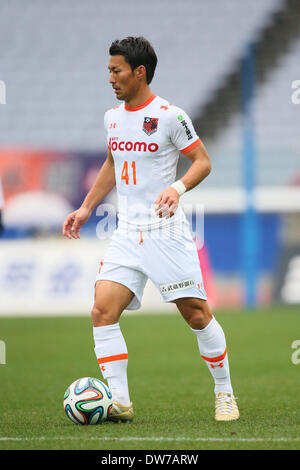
{"x": 215, "y": 359}
{"x": 117, "y": 357}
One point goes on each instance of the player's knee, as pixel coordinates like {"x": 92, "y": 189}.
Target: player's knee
{"x": 200, "y": 317}
{"x": 196, "y": 312}
{"x": 103, "y": 315}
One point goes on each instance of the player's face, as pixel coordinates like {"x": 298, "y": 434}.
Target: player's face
{"x": 123, "y": 80}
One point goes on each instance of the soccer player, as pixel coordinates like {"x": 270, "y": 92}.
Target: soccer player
{"x": 145, "y": 135}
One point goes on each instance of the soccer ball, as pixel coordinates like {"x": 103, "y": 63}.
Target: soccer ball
{"x": 87, "y": 401}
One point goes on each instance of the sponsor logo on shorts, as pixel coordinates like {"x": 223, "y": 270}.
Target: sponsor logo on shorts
{"x": 175, "y": 286}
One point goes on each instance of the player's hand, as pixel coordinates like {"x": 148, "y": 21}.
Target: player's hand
{"x": 74, "y": 222}
{"x": 166, "y": 203}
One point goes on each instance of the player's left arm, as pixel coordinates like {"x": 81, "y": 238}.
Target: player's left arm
{"x": 200, "y": 167}
{"x": 168, "y": 200}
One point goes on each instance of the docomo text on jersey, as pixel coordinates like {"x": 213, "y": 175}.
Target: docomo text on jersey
{"x": 132, "y": 146}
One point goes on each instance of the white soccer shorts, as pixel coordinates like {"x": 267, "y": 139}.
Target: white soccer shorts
{"x": 166, "y": 256}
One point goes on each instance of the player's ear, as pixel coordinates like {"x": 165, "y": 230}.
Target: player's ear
{"x": 140, "y": 72}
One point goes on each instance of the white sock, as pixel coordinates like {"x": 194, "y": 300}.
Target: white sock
{"x": 112, "y": 356}
{"x": 212, "y": 347}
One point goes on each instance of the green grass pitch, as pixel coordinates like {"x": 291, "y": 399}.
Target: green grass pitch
{"x": 170, "y": 385}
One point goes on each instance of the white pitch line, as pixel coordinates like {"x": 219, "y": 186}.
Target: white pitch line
{"x": 161, "y": 438}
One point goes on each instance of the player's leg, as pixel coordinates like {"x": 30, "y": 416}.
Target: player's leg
{"x": 111, "y": 299}
{"x": 118, "y": 287}
{"x": 196, "y": 312}
{"x": 211, "y": 339}
{"x": 178, "y": 277}
{"x": 213, "y": 349}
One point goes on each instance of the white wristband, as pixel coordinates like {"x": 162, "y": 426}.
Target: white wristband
{"x": 179, "y": 186}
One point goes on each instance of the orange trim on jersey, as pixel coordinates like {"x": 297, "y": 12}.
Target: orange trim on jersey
{"x": 215, "y": 359}
{"x": 140, "y": 106}
{"x": 141, "y": 238}
{"x": 117, "y": 357}
{"x": 191, "y": 147}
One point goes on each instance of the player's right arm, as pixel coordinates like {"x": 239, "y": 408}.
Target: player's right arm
{"x": 103, "y": 184}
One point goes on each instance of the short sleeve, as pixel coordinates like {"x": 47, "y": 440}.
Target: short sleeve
{"x": 182, "y": 132}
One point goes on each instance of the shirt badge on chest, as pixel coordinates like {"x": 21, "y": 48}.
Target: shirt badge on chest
{"x": 150, "y": 125}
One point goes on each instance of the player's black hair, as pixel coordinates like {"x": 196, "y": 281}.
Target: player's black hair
{"x": 136, "y": 51}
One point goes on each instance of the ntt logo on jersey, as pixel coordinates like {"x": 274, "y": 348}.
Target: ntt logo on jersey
{"x": 134, "y": 146}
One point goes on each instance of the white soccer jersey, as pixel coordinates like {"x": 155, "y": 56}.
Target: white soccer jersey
{"x": 145, "y": 142}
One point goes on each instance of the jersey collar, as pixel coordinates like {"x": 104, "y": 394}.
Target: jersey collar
{"x": 140, "y": 106}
